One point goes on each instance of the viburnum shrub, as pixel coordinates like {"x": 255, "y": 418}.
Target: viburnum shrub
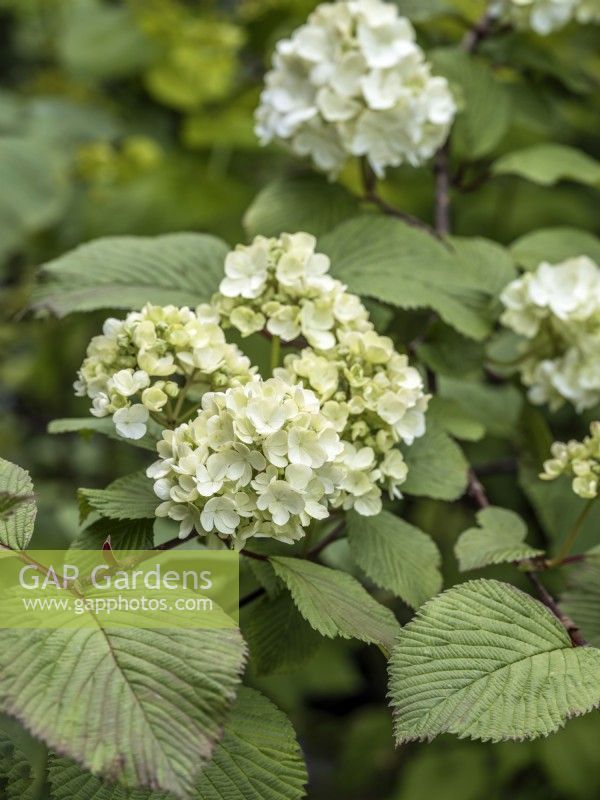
{"x": 322, "y": 398}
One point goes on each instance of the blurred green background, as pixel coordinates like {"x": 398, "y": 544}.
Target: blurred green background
{"x": 136, "y": 118}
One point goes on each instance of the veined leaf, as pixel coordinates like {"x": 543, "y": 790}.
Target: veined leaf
{"x": 500, "y": 538}
{"x": 335, "y": 603}
{"x": 16, "y": 780}
{"x": 129, "y": 271}
{"x": 554, "y": 245}
{"x": 139, "y": 706}
{"x": 302, "y": 203}
{"x": 393, "y": 262}
{"x": 257, "y": 759}
{"x": 486, "y": 661}
{"x": 278, "y": 636}
{"x": 436, "y": 466}
{"x": 17, "y": 521}
{"x": 548, "y": 164}
{"x": 106, "y": 427}
{"x": 130, "y": 497}
{"x": 396, "y": 556}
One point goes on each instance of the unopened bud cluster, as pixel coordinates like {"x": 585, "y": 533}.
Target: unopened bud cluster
{"x": 579, "y": 460}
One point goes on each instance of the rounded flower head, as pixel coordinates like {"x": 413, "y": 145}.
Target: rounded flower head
{"x": 579, "y": 460}
{"x": 283, "y": 285}
{"x": 352, "y": 81}
{"x": 375, "y": 400}
{"x": 558, "y": 309}
{"x": 258, "y": 460}
{"x": 142, "y": 363}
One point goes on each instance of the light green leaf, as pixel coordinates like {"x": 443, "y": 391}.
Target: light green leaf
{"x": 128, "y": 534}
{"x": 497, "y": 408}
{"x": 302, "y": 203}
{"x": 436, "y": 466}
{"x": 335, "y": 603}
{"x": 548, "y": 164}
{"x": 142, "y": 707}
{"x": 129, "y": 271}
{"x": 257, "y": 759}
{"x": 102, "y": 41}
{"x": 581, "y": 601}
{"x": 500, "y": 538}
{"x": 493, "y": 264}
{"x": 130, "y": 497}
{"x": 396, "y": 556}
{"x": 554, "y": 245}
{"x": 486, "y": 661}
{"x": 454, "y": 419}
{"x": 106, "y": 427}
{"x": 484, "y": 104}
{"x": 279, "y": 638}
{"x": 393, "y": 262}
{"x": 423, "y": 10}
{"x": 18, "y": 501}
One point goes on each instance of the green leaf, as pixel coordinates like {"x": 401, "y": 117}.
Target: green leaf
{"x": 18, "y": 502}
{"x": 278, "y": 636}
{"x": 454, "y": 419}
{"x": 129, "y": 271}
{"x": 548, "y": 164}
{"x": 142, "y": 707}
{"x": 396, "y": 556}
{"x": 128, "y": 534}
{"x": 448, "y": 352}
{"x": 35, "y": 189}
{"x": 493, "y": 264}
{"x": 497, "y": 408}
{"x": 335, "y": 603}
{"x": 406, "y": 267}
{"x": 101, "y": 41}
{"x": 15, "y": 771}
{"x": 301, "y": 203}
{"x": 484, "y": 104}
{"x": 423, "y": 10}
{"x": 130, "y": 497}
{"x": 257, "y": 759}
{"x": 106, "y": 427}
{"x": 554, "y": 245}
{"x": 486, "y": 661}
{"x": 558, "y": 507}
{"x": 500, "y": 537}
{"x": 581, "y": 601}
{"x": 436, "y": 466}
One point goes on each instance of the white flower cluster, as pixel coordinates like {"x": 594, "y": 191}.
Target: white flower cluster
{"x": 580, "y": 460}
{"x": 558, "y": 309}
{"x": 139, "y": 365}
{"x": 375, "y": 400}
{"x": 545, "y": 16}
{"x": 283, "y": 285}
{"x": 258, "y": 460}
{"x": 352, "y": 81}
